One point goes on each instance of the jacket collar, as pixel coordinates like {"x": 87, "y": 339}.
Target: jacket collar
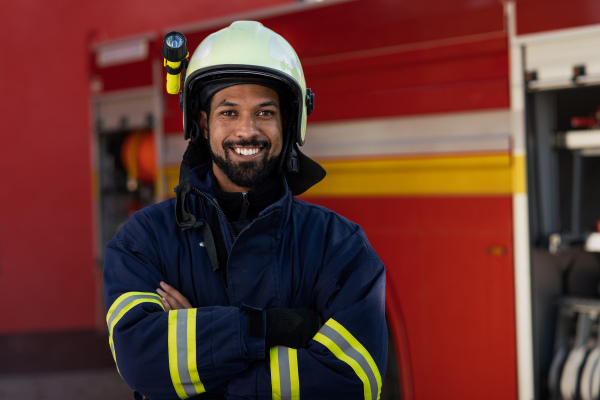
{"x": 202, "y": 180}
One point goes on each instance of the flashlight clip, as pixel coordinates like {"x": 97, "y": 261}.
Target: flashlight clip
{"x": 183, "y": 69}
{"x": 175, "y": 71}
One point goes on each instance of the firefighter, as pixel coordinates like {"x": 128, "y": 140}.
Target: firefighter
{"x": 236, "y": 289}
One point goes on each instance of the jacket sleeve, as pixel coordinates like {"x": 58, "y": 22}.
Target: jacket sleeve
{"x": 347, "y": 357}
{"x": 167, "y": 355}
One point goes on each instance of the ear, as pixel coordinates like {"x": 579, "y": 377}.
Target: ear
{"x": 203, "y": 124}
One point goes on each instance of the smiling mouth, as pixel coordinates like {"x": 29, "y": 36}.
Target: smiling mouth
{"x": 246, "y": 151}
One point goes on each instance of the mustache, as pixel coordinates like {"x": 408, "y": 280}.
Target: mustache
{"x": 254, "y": 142}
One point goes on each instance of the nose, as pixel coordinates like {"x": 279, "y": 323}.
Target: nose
{"x": 247, "y": 126}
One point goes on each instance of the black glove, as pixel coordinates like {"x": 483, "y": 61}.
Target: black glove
{"x": 290, "y": 327}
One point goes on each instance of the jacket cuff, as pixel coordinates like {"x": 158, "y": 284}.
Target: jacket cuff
{"x": 256, "y": 321}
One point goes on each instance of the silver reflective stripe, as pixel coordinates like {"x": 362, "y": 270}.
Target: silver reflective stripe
{"x": 114, "y": 313}
{"x": 285, "y": 381}
{"x": 182, "y": 353}
{"x": 284, "y": 374}
{"x": 121, "y": 306}
{"x": 347, "y": 348}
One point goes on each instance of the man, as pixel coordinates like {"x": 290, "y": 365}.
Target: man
{"x": 260, "y": 295}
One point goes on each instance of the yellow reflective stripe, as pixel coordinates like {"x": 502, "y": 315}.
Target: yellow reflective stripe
{"x": 348, "y": 349}
{"x": 191, "y": 339}
{"x": 357, "y": 346}
{"x": 182, "y": 353}
{"x": 173, "y": 355}
{"x": 285, "y": 382}
{"x": 275, "y": 378}
{"x": 325, "y": 341}
{"x": 121, "y": 306}
{"x": 294, "y": 378}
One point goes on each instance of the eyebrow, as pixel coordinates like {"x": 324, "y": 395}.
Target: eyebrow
{"x": 226, "y": 103}
{"x": 269, "y": 103}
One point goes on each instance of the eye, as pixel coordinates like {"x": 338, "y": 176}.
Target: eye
{"x": 266, "y": 113}
{"x": 227, "y": 113}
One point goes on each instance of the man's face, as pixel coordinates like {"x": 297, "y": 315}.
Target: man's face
{"x": 245, "y": 135}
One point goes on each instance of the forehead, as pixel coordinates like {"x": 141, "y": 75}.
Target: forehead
{"x": 246, "y": 94}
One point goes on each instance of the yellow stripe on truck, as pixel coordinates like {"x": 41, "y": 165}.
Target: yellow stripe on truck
{"x": 487, "y": 174}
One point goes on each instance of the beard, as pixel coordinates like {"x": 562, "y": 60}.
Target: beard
{"x": 246, "y": 174}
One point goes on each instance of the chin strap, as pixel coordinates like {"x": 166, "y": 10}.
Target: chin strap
{"x": 184, "y": 219}
{"x": 195, "y": 153}
{"x": 188, "y": 221}
{"x": 292, "y": 164}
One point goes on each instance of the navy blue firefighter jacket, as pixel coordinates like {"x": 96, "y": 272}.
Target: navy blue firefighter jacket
{"x": 293, "y": 255}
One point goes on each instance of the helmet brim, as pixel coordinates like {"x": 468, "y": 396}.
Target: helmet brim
{"x": 246, "y": 75}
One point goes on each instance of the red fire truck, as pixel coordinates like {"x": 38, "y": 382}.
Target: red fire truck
{"x": 462, "y": 138}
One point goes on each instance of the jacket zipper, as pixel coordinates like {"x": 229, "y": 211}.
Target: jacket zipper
{"x": 245, "y": 206}
{"x": 218, "y": 207}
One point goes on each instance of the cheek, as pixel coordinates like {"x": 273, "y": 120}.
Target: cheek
{"x": 276, "y": 143}
{"x": 215, "y": 136}
{"x": 277, "y": 138}
{"x": 215, "y": 145}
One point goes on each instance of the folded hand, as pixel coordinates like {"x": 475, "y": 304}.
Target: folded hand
{"x": 171, "y": 298}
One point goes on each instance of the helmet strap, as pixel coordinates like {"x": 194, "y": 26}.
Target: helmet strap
{"x": 291, "y": 163}
{"x": 184, "y": 219}
{"x": 183, "y": 69}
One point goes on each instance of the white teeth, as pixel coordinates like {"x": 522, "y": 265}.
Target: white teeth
{"x": 245, "y": 151}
